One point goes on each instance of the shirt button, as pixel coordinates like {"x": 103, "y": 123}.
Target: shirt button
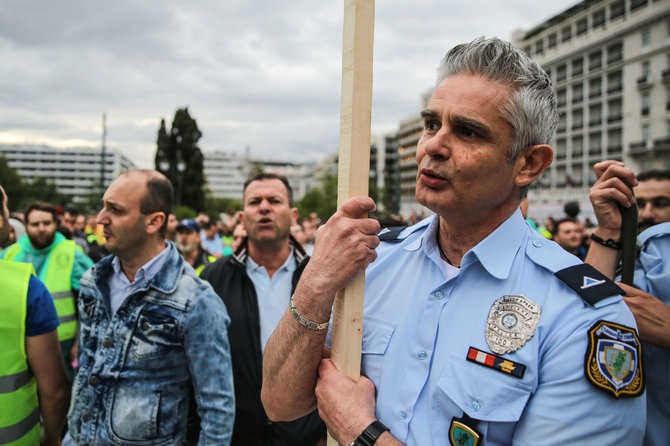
{"x": 422, "y": 355}
{"x": 93, "y": 380}
{"x": 439, "y": 295}
{"x": 476, "y": 406}
{"x": 106, "y": 343}
{"x": 86, "y": 417}
{"x": 537, "y": 243}
{"x": 145, "y": 325}
{"x": 402, "y": 415}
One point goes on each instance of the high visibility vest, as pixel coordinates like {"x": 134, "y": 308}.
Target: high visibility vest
{"x": 57, "y": 277}
{"x": 199, "y": 269}
{"x": 19, "y": 409}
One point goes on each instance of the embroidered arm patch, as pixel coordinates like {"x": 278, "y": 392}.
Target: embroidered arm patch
{"x": 613, "y": 360}
{"x": 589, "y": 283}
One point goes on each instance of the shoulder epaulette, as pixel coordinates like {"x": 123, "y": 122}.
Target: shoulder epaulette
{"x": 390, "y": 234}
{"x": 589, "y": 283}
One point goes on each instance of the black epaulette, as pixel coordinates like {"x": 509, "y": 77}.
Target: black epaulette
{"x": 390, "y": 234}
{"x": 589, "y": 283}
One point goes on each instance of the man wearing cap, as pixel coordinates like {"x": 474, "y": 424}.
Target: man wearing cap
{"x": 188, "y": 244}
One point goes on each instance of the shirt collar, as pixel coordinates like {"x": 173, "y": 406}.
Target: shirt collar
{"x": 254, "y": 267}
{"x": 661, "y": 228}
{"x": 495, "y": 253}
{"x": 147, "y": 271}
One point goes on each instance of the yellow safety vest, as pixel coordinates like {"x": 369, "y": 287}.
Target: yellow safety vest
{"x": 19, "y": 409}
{"x": 199, "y": 269}
{"x": 57, "y": 277}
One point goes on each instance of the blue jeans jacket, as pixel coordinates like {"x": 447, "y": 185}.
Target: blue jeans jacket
{"x": 137, "y": 367}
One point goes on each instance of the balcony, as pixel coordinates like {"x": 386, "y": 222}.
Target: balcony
{"x": 615, "y": 117}
{"x": 662, "y": 144}
{"x": 666, "y": 76}
{"x": 614, "y": 150}
{"x": 614, "y": 88}
{"x": 644, "y": 82}
{"x": 639, "y": 148}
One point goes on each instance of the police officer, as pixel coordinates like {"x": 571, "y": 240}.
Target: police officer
{"x": 476, "y": 329}
{"x": 30, "y": 359}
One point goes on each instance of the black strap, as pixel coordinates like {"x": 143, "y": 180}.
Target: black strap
{"x": 628, "y": 241}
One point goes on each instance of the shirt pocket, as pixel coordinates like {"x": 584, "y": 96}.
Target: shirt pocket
{"x": 154, "y": 334}
{"x": 482, "y": 393}
{"x": 377, "y": 334}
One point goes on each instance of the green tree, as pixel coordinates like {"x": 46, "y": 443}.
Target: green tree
{"x": 179, "y": 158}
{"x": 322, "y": 200}
{"x": 214, "y": 206}
{"x": 12, "y": 182}
{"x": 22, "y": 192}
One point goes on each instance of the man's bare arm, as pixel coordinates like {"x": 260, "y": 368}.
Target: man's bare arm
{"x": 607, "y": 193}
{"x": 46, "y": 362}
{"x": 344, "y": 247}
{"x": 652, "y": 316}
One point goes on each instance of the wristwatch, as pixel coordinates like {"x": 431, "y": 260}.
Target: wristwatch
{"x": 369, "y": 436}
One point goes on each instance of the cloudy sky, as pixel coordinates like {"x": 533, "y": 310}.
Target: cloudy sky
{"x": 262, "y": 74}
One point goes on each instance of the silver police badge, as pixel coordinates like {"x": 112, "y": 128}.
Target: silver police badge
{"x": 512, "y": 322}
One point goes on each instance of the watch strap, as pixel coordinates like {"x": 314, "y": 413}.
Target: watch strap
{"x": 369, "y": 436}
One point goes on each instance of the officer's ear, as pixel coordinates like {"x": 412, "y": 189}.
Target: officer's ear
{"x": 531, "y": 162}
{"x": 154, "y": 222}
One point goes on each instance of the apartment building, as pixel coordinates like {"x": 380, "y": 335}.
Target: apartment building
{"x": 609, "y": 61}
{"x": 75, "y": 172}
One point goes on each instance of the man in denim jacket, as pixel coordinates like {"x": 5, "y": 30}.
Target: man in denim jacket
{"x": 150, "y": 332}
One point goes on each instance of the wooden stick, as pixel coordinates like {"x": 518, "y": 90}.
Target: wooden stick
{"x": 353, "y": 170}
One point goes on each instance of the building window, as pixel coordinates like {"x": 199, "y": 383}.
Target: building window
{"x": 595, "y": 114}
{"x": 614, "y": 53}
{"x": 560, "y": 97}
{"x": 598, "y": 18}
{"x": 646, "y": 136}
{"x": 636, "y": 4}
{"x": 614, "y": 111}
{"x": 595, "y": 144}
{"x": 560, "y": 148}
{"x": 646, "y": 69}
{"x": 617, "y": 9}
{"x": 566, "y": 34}
{"x": 539, "y": 47}
{"x": 551, "y": 41}
{"x": 581, "y": 26}
{"x": 577, "y": 119}
{"x": 595, "y": 60}
{"x": 614, "y": 142}
{"x": 595, "y": 88}
{"x": 645, "y": 104}
{"x": 577, "y": 147}
{"x": 667, "y": 99}
{"x": 614, "y": 82}
{"x": 646, "y": 37}
{"x": 577, "y": 93}
{"x": 561, "y": 73}
{"x": 577, "y": 66}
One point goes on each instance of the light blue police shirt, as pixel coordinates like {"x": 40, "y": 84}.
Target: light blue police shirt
{"x": 652, "y": 275}
{"x": 420, "y": 321}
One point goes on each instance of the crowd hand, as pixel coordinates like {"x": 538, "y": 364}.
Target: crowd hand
{"x": 344, "y": 247}
{"x": 346, "y": 406}
{"x": 609, "y": 190}
{"x": 651, "y": 314}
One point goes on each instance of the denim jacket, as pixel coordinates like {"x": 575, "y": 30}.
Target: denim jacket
{"x": 137, "y": 367}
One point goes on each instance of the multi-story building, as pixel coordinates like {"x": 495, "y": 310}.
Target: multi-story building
{"x": 75, "y": 172}
{"x": 609, "y": 61}
{"x": 226, "y": 173}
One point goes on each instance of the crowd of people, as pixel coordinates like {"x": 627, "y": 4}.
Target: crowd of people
{"x": 134, "y": 327}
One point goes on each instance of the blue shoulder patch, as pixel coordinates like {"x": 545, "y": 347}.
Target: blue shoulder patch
{"x": 589, "y": 283}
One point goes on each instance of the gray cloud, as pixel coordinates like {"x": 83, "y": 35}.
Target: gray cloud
{"x": 258, "y": 74}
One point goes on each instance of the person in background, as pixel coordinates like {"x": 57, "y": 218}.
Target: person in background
{"x": 210, "y": 239}
{"x": 171, "y": 231}
{"x": 59, "y": 263}
{"x": 568, "y": 235}
{"x": 256, "y": 284}
{"x": 239, "y": 234}
{"x": 150, "y": 331}
{"x": 31, "y": 363}
{"x": 649, "y": 297}
{"x": 188, "y": 244}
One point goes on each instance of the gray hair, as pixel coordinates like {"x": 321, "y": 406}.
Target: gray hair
{"x": 531, "y": 107}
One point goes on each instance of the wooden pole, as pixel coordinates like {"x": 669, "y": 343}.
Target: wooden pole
{"x": 353, "y": 170}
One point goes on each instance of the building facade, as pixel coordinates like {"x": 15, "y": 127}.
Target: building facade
{"x": 75, "y": 172}
{"x": 609, "y": 61}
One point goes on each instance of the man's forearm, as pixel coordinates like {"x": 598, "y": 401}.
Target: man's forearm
{"x": 603, "y": 258}
{"x": 53, "y": 409}
{"x": 290, "y": 364}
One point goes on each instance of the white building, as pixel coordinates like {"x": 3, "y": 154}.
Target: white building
{"x": 225, "y": 174}
{"x": 609, "y": 61}
{"x": 75, "y": 172}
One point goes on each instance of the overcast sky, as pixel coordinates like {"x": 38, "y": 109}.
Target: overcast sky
{"x": 263, "y": 74}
